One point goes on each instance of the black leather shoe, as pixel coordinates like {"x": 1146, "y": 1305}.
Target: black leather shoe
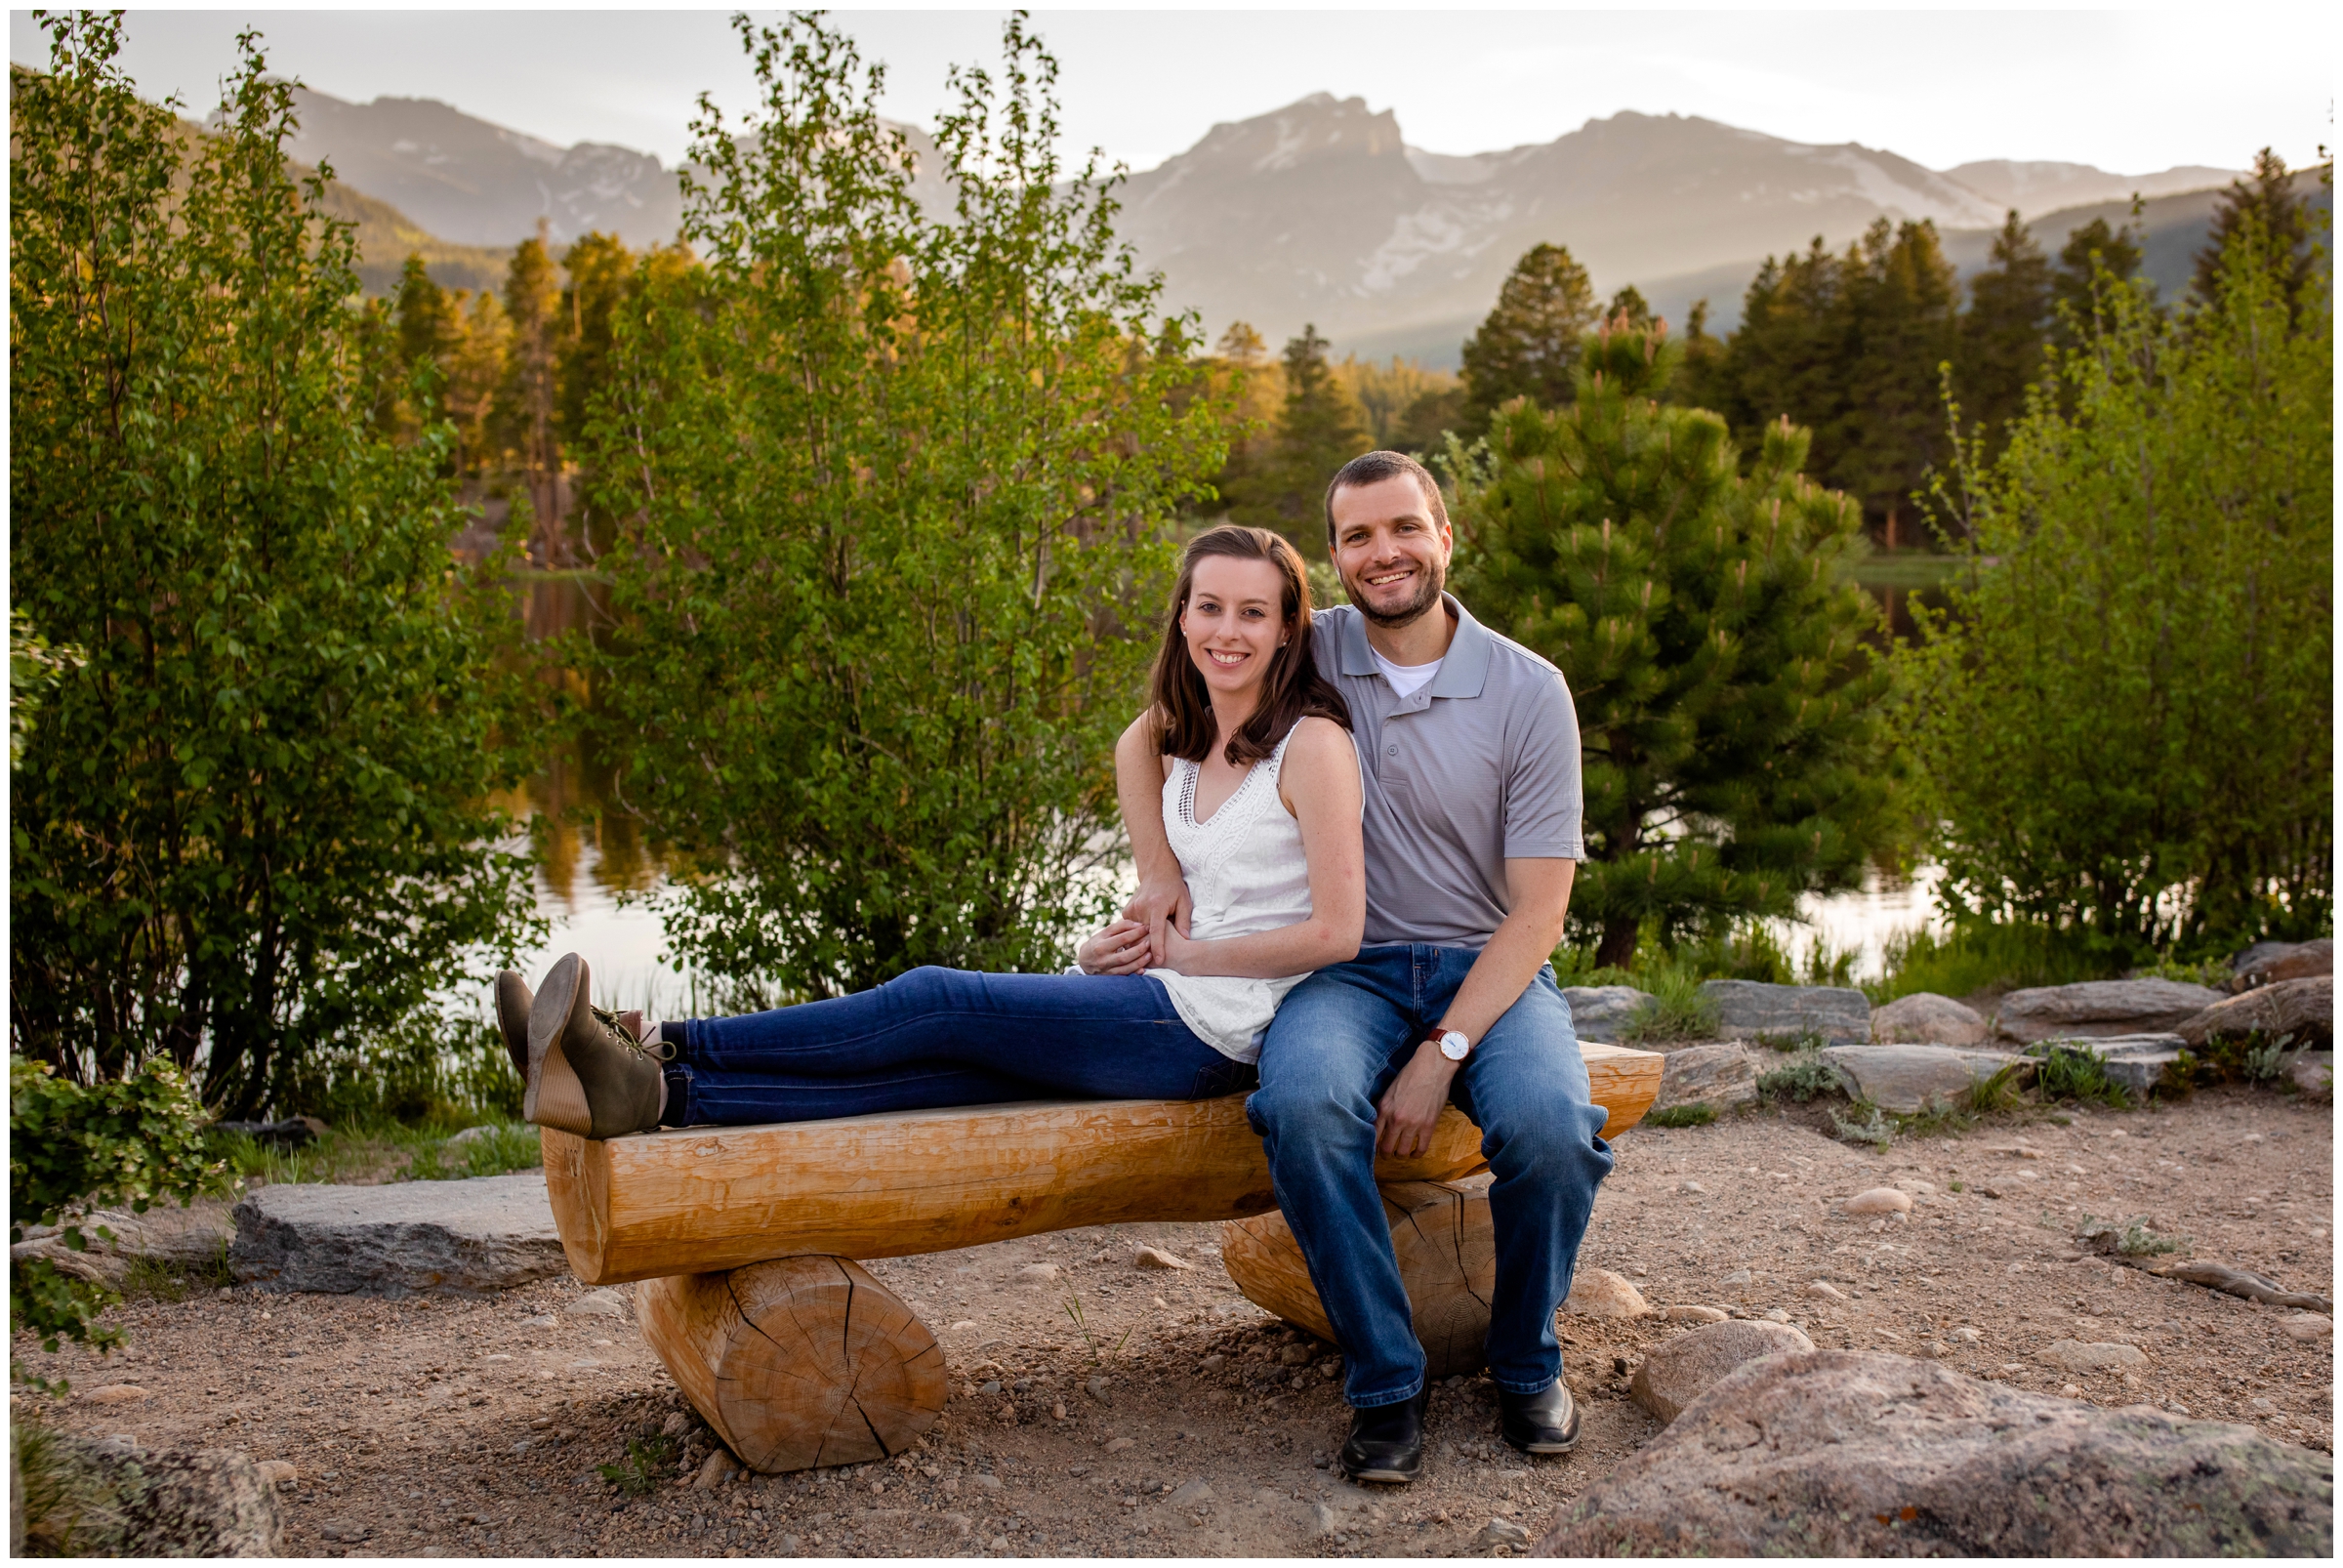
{"x": 1387, "y": 1442}
{"x": 1543, "y": 1422}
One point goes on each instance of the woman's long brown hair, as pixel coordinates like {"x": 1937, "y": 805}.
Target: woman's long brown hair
{"x": 1293, "y": 689}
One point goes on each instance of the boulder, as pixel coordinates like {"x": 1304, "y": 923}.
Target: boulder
{"x": 1680, "y": 1369}
{"x": 1600, "y": 1012}
{"x": 110, "y": 1497}
{"x": 1750, "y": 1010}
{"x": 1599, "y": 1293}
{"x": 1928, "y": 1019}
{"x": 2096, "y": 1007}
{"x": 458, "y": 1237}
{"x": 2265, "y": 962}
{"x": 1722, "y": 1076}
{"x": 2295, "y": 1011}
{"x": 2314, "y": 1074}
{"x": 1842, "y": 1453}
{"x": 2141, "y": 1063}
{"x": 1910, "y": 1079}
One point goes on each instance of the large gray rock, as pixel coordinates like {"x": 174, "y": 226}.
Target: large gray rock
{"x": 1601, "y": 1012}
{"x": 2265, "y": 962}
{"x": 1911, "y": 1078}
{"x": 110, "y": 1497}
{"x": 2295, "y": 1011}
{"x": 1722, "y": 1075}
{"x": 1680, "y": 1369}
{"x": 1749, "y": 1010}
{"x": 194, "y": 1237}
{"x": 2093, "y": 1008}
{"x": 1928, "y": 1019}
{"x": 1842, "y": 1453}
{"x": 461, "y": 1237}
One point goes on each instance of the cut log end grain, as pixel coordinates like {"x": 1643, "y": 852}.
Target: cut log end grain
{"x": 1447, "y": 1252}
{"x": 797, "y": 1362}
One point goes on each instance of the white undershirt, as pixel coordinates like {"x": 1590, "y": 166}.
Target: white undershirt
{"x": 1405, "y": 678}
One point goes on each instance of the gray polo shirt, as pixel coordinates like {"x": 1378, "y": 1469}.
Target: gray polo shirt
{"x": 1476, "y": 768}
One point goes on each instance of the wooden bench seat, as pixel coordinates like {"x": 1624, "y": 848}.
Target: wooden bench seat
{"x": 749, "y": 1233}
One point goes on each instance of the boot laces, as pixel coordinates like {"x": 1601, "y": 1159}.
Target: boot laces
{"x": 664, "y": 1052}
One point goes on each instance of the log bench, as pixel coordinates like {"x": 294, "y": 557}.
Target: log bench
{"x": 745, "y": 1238}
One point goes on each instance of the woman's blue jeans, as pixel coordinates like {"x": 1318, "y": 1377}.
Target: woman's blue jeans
{"x": 1337, "y": 1043}
{"x": 944, "y": 1037}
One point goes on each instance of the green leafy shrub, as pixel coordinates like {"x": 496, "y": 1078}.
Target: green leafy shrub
{"x": 1801, "y": 1078}
{"x": 257, "y": 818}
{"x": 2125, "y": 718}
{"x": 1870, "y": 1124}
{"x": 894, "y": 497}
{"x": 1699, "y": 1113}
{"x": 2070, "y": 1069}
{"x": 129, "y": 1142}
{"x": 1998, "y": 1092}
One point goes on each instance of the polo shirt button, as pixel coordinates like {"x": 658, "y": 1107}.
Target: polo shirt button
{"x": 1391, "y": 751}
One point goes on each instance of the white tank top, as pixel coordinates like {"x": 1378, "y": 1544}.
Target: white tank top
{"x": 1246, "y": 874}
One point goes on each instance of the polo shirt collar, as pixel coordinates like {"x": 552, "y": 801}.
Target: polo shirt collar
{"x": 1464, "y": 669}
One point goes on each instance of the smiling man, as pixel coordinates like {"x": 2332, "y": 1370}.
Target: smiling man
{"x": 1469, "y": 748}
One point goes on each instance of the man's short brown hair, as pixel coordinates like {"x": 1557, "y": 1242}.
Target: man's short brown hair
{"x": 1374, "y": 468}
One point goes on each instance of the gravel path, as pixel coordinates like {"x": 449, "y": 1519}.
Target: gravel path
{"x": 431, "y": 1426}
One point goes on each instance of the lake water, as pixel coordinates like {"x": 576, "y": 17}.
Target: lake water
{"x": 598, "y": 879}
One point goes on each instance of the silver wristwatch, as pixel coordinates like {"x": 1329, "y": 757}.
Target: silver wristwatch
{"x": 1453, "y": 1046}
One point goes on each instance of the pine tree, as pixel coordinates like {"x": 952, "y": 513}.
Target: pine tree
{"x": 2266, "y": 207}
{"x": 1903, "y": 301}
{"x": 2002, "y": 335}
{"x": 525, "y": 411}
{"x": 1319, "y": 429}
{"x": 2090, "y": 250}
{"x": 1528, "y": 344}
{"x": 1628, "y": 307}
{"x": 1789, "y": 359}
{"x": 1730, "y": 715}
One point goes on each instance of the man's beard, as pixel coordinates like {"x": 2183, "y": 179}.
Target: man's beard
{"x": 1428, "y": 584}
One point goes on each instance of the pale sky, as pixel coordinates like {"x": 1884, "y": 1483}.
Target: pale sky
{"x": 2132, "y": 91}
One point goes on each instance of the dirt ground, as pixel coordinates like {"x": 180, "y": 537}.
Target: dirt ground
{"x": 433, "y": 1426}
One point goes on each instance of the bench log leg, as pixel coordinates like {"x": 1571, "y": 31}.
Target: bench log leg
{"x": 1447, "y": 1254}
{"x": 797, "y": 1362}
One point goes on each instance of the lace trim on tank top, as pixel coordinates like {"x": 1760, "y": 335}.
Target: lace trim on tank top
{"x": 1215, "y": 839}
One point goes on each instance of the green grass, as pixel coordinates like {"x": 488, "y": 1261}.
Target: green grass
{"x": 1978, "y": 957}
{"x": 1699, "y": 1113}
{"x": 1677, "y": 1010}
{"x": 385, "y": 1151}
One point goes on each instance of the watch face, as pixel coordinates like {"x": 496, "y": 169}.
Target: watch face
{"x": 1453, "y": 1046}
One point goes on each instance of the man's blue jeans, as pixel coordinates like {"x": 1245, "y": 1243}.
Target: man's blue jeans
{"x": 1338, "y": 1041}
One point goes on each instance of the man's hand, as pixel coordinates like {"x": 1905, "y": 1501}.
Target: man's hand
{"x": 1403, "y": 1122}
{"x": 1159, "y": 905}
{"x": 1120, "y": 949}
